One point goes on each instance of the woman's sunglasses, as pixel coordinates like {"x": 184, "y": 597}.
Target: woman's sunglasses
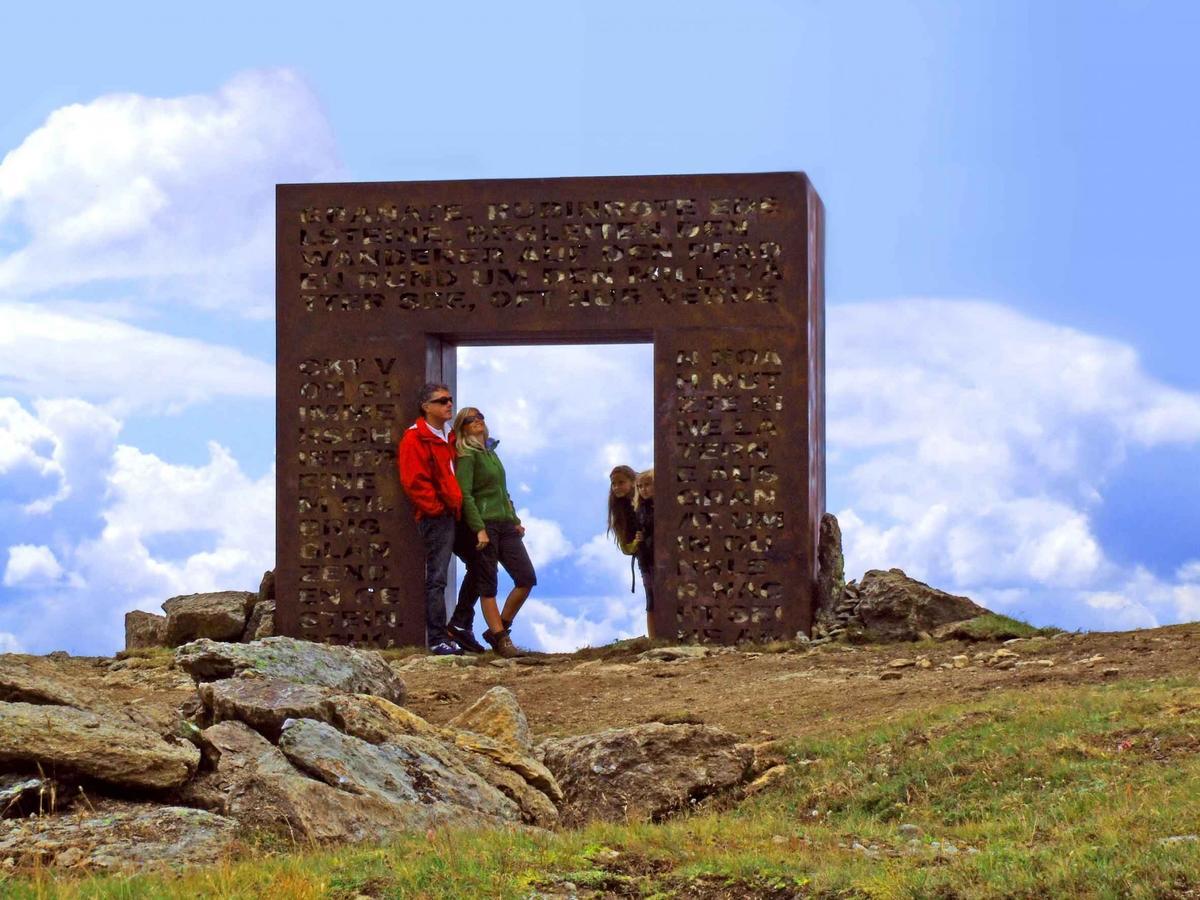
{"x": 470, "y": 419}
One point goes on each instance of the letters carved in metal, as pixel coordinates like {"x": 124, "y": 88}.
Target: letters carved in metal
{"x": 379, "y": 282}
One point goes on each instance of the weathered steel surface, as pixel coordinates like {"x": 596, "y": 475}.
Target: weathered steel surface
{"x": 377, "y": 283}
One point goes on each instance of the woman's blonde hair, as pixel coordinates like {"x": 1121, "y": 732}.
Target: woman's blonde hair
{"x": 647, "y": 475}
{"x": 466, "y": 444}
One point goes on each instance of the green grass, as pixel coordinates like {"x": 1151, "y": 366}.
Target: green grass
{"x": 995, "y": 627}
{"x": 1059, "y": 792}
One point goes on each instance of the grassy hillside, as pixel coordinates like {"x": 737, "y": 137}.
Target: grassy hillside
{"x": 1048, "y": 791}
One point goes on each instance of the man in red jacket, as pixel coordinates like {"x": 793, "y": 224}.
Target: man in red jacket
{"x": 426, "y": 461}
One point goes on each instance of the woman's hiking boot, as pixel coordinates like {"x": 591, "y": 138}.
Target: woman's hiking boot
{"x": 502, "y": 643}
{"x": 465, "y": 639}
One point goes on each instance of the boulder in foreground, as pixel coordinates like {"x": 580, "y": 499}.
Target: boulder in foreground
{"x": 119, "y": 836}
{"x": 498, "y": 715}
{"x": 409, "y": 769}
{"x": 644, "y": 772}
{"x": 79, "y": 742}
{"x": 253, "y": 782}
{"x": 343, "y": 669}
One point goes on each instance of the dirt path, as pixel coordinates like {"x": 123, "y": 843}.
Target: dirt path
{"x": 772, "y": 695}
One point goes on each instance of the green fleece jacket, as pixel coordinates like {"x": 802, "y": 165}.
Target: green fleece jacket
{"x": 480, "y": 474}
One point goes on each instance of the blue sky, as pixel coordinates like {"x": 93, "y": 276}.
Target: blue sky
{"x": 1014, "y": 393}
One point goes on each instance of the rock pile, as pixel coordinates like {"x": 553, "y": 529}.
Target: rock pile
{"x": 890, "y": 606}
{"x": 217, "y": 616}
{"x": 310, "y": 741}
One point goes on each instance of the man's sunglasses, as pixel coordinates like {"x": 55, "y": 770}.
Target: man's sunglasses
{"x": 441, "y": 401}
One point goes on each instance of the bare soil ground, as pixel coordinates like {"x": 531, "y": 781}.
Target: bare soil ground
{"x": 791, "y": 692}
{"x": 800, "y": 692}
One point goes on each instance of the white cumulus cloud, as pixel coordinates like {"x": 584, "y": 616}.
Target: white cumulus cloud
{"x": 44, "y": 352}
{"x": 564, "y": 624}
{"x": 29, "y": 563}
{"x": 970, "y": 445}
{"x": 544, "y": 539}
{"x": 176, "y": 194}
{"x": 130, "y": 530}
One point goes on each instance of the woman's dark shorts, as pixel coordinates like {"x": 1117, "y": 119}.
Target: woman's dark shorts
{"x": 504, "y": 548}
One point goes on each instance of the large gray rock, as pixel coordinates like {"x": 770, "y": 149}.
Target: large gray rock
{"x": 252, "y": 781}
{"x": 831, "y": 567}
{"x": 376, "y": 720}
{"x": 515, "y": 772}
{"x": 536, "y": 808}
{"x": 497, "y": 714}
{"x": 265, "y": 703}
{"x": 343, "y": 669}
{"x": 75, "y": 741}
{"x": 36, "y": 679}
{"x": 409, "y": 770}
{"x": 119, "y": 836}
{"x": 511, "y": 757}
{"x": 644, "y": 772}
{"x": 219, "y": 616}
{"x": 894, "y": 607}
{"x": 144, "y": 629}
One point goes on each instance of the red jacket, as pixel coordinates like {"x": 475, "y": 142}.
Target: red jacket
{"x": 426, "y": 464}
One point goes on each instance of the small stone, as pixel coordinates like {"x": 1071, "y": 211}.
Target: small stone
{"x": 1111, "y": 672}
{"x": 1003, "y": 654}
{"x": 924, "y": 663}
{"x": 890, "y": 676}
{"x": 778, "y": 839}
{"x": 901, "y": 663}
{"x": 1180, "y": 839}
{"x": 909, "y": 831}
{"x": 674, "y": 654}
{"x": 69, "y": 857}
{"x": 960, "y": 661}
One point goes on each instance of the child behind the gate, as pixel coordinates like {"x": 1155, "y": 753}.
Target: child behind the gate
{"x": 644, "y": 551}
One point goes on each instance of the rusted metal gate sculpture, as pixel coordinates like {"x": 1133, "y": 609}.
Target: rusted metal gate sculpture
{"x": 379, "y": 282}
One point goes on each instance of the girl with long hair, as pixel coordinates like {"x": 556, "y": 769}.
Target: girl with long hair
{"x": 623, "y": 525}
{"x": 489, "y": 512}
{"x": 643, "y": 503}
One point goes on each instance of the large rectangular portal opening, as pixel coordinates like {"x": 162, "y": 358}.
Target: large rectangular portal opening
{"x": 564, "y": 416}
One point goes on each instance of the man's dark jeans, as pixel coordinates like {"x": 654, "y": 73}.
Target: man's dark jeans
{"x": 439, "y": 536}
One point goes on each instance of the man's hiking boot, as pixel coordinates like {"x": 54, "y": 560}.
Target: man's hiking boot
{"x": 465, "y": 639}
{"x": 502, "y": 644}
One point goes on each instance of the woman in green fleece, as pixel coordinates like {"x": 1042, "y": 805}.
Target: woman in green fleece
{"x": 488, "y": 511}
